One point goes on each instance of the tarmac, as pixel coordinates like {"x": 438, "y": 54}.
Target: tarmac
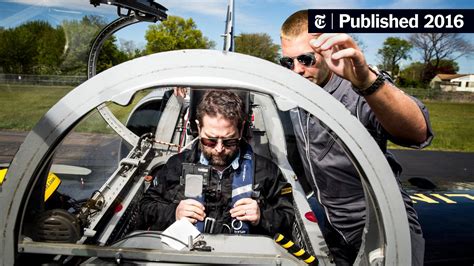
{"x": 100, "y": 154}
{"x": 452, "y": 166}
{"x": 454, "y": 170}
{"x": 96, "y": 153}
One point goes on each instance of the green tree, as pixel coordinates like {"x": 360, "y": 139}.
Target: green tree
{"x": 411, "y": 76}
{"x": 110, "y": 55}
{"x": 173, "y": 34}
{"x": 2, "y": 37}
{"x": 394, "y": 49}
{"x": 32, "y": 48}
{"x": 446, "y": 66}
{"x": 80, "y": 36}
{"x": 11, "y": 59}
{"x": 50, "y": 48}
{"x": 257, "y": 44}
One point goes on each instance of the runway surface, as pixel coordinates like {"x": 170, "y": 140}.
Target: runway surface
{"x": 448, "y": 228}
{"x": 453, "y": 166}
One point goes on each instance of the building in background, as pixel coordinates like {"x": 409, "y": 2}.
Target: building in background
{"x": 453, "y": 82}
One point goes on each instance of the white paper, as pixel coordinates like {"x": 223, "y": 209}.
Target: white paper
{"x": 181, "y": 230}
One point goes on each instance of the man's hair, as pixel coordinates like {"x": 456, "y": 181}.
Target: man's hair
{"x": 221, "y": 102}
{"x": 295, "y": 25}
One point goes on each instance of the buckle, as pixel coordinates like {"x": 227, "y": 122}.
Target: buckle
{"x": 209, "y": 225}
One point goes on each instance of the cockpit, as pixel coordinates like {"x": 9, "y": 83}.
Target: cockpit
{"x": 72, "y": 192}
{"x": 76, "y": 198}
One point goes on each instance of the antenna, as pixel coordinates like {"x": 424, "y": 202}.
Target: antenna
{"x": 229, "y": 28}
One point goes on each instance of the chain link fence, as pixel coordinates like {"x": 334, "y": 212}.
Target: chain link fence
{"x": 61, "y": 80}
{"x": 47, "y": 80}
{"x": 437, "y": 94}
{"x": 423, "y": 93}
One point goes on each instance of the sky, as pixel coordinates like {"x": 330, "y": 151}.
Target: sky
{"x": 251, "y": 16}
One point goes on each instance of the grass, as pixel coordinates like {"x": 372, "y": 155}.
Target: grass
{"x": 95, "y": 123}
{"x": 23, "y": 106}
{"x": 453, "y": 125}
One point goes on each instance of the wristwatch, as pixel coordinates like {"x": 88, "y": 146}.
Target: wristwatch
{"x": 379, "y": 81}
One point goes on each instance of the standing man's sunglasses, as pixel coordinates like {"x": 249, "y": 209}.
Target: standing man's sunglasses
{"x": 212, "y": 142}
{"x": 307, "y": 59}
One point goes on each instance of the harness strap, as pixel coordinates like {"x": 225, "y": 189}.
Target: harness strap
{"x": 242, "y": 187}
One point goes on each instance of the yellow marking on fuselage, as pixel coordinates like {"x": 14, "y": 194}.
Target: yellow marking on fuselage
{"x": 471, "y": 197}
{"x": 443, "y": 198}
{"x": 3, "y": 173}
{"x": 421, "y": 197}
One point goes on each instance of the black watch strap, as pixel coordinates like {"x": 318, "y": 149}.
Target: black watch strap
{"x": 379, "y": 81}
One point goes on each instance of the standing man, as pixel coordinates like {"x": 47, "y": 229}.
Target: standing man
{"x": 246, "y": 192}
{"x": 334, "y": 62}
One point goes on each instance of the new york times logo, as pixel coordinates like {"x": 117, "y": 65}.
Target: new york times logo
{"x": 319, "y": 21}
{"x": 391, "y": 21}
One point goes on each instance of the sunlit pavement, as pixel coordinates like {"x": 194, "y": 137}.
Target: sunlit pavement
{"x": 452, "y": 166}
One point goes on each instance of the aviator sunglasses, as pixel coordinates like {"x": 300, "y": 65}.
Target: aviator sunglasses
{"x": 212, "y": 142}
{"x": 307, "y": 59}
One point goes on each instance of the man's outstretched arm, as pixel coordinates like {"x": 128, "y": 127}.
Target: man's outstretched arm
{"x": 400, "y": 116}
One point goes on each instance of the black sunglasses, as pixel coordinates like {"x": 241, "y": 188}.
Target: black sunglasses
{"x": 307, "y": 59}
{"x": 212, "y": 142}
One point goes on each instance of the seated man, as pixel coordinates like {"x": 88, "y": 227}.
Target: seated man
{"x": 246, "y": 192}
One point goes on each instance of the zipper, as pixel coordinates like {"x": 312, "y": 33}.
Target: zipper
{"x": 219, "y": 182}
{"x": 308, "y": 158}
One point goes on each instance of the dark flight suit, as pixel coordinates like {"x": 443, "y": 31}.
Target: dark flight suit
{"x": 158, "y": 206}
{"x": 336, "y": 181}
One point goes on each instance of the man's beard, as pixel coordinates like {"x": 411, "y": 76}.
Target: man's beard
{"x": 223, "y": 159}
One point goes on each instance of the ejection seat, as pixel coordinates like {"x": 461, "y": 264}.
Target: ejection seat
{"x": 262, "y": 118}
